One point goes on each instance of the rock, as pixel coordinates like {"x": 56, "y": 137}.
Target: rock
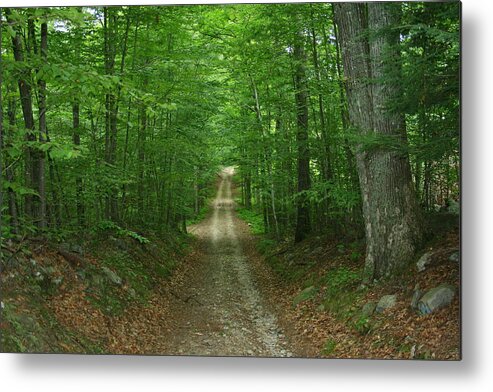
{"x": 368, "y": 309}
{"x": 454, "y": 257}
{"x": 119, "y": 243}
{"x": 424, "y": 261}
{"x": 75, "y": 248}
{"x": 417, "y": 294}
{"x": 112, "y": 276}
{"x": 386, "y": 302}
{"x": 436, "y": 298}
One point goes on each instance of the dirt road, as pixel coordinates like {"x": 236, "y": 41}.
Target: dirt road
{"x": 220, "y": 309}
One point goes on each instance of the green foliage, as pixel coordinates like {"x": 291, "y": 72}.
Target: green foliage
{"x": 363, "y": 325}
{"x": 305, "y": 295}
{"x": 342, "y": 291}
{"x": 21, "y": 336}
{"x": 18, "y": 189}
{"x": 254, "y": 219}
{"x": 265, "y": 245}
{"x": 200, "y": 216}
{"x": 329, "y": 347}
{"x": 341, "y": 278}
{"x": 111, "y": 226}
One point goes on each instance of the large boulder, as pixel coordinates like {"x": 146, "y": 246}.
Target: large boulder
{"x": 436, "y": 298}
{"x": 386, "y": 302}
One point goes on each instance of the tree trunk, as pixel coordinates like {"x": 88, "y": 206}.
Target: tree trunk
{"x": 78, "y": 179}
{"x": 13, "y": 208}
{"x": 141, "y": 141}
{"x": 303, "y": 226}
{"x": 41, "y": 182}
{"x": 27, "y": 112}
{"x": 392, "y": 218}
{"x": 110, "y": 26}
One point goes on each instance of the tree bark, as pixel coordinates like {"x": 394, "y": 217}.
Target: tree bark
{"x": 391, "y": 215}
{"x": 78, "y": 179}
{"x": 41, "y": 182}
{"x": 303, "y": 225}
{"x": 13, "y": 208}
{"x": 27, "y": 112}
{"x": 109, "y": 27}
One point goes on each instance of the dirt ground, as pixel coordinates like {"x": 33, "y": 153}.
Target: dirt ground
{"x": 220, "y": 310}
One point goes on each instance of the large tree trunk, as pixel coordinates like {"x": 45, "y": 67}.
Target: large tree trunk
{"x": 392, "y": 218}
{"x": 303, "y": 226}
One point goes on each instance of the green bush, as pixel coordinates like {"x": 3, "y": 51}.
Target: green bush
{"x": 341, "y": 292}
{"x": 253, "y": 218}
{"x": 200, "y": 216}
{"x": 112, "y": 226}
{"x": 265, "y": 245}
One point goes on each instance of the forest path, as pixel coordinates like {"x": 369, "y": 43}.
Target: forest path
{"x": 219, "y": 309}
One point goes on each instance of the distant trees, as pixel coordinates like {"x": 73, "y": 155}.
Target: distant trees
{"x": 90, "y": 141}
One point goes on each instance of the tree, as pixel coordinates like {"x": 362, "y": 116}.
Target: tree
{"x": 371, "y": 62}
{"x": 303, "y": 226}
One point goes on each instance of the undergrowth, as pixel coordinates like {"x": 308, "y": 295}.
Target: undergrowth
{"x": 115, "y": 272}
{"x": 254, "y": 219}
{"x": 200, "y": 216}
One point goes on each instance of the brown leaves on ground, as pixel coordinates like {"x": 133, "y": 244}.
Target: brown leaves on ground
{"x": 397, "y": 333}
{"x": 138, "y": 330}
